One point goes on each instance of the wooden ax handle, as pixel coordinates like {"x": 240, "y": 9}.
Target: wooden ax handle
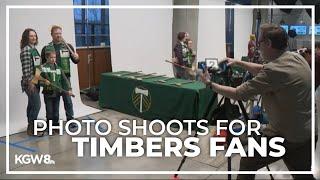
{"x": 176, "y": 64}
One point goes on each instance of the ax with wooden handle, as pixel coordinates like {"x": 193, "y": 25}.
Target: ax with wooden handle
{"x": 178, "y": 65}
{"x": 37, "y": 77}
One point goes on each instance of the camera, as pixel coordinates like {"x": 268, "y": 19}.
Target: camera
{"x": 221, "y": 73}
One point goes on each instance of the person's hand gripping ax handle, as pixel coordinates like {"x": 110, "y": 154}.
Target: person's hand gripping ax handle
{"x": 66, "y": 44}
{"x": 37, "y": 77}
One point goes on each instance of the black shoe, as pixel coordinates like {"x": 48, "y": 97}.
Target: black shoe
{"x": 30, "y": 129}
{"x": 55, "y": 132}
{"x": 73, "y": 125}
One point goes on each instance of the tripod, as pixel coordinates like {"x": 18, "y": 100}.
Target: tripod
{"x": 230, "y": 112}
{"x": 227, "y": 111}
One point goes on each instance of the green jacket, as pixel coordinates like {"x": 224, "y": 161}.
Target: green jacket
{"x": 57, "y": 77}
{"x": 63, "y": 56}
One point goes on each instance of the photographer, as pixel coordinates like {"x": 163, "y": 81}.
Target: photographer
{"x": 285, "y": 86}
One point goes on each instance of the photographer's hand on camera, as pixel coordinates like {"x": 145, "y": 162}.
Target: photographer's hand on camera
{"x": 221, "y": 78}
{"x": 253, "y": 68}
{"x": 230, "y": 61}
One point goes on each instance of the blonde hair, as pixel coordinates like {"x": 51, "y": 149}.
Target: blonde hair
{"x": 47, "y": 54}
{"x": 252, "y": 37}
{"x": 54, "y": 27}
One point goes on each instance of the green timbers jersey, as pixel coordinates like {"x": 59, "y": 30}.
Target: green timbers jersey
{"x": 35, "y": 57}
{"x": 54, "y": 74}
{"x": 63, "y": 56}
{"x": 184, "y": 54}
{"x": 189, "y": 58}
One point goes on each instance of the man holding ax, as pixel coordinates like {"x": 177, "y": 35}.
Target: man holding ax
{"x": 64, "y": 53}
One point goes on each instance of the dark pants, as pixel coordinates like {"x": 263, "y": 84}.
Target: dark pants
{"x": 180, "y": 73}
{"x": 52, "y": 109}
{"x": 34, "y": 105}
{"x": 296, "y": 158}
{"x": 68, "y": 106}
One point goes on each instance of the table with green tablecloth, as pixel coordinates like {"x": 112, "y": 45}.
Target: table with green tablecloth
{"x": 150, "y": 99}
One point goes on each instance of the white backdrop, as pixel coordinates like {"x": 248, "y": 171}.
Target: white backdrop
{"x": 211, "y": 31}
{"x": 141, "y": 39}
{"x": 242, "y": 29}
{"x": 41, "y": 20}
{"x": 2, "y": 68}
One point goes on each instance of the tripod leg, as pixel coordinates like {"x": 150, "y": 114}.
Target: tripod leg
{"x": 245, "y": 114}
{"x": 229, "y": 137}
{"x": 220, "y": 102}
{"x": 185, "y": 157}
{"x": 229, "y": 167}
{"x": 270, "y": 174}
{"x": 196, "y": 135}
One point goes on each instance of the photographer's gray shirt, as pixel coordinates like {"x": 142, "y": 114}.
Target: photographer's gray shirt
{"x": 285, "y": 86}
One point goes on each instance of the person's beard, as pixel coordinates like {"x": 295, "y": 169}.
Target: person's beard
{"x": 57, "y": 40}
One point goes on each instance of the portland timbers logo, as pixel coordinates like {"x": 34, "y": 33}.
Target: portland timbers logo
{"x": 141, "y": 99}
